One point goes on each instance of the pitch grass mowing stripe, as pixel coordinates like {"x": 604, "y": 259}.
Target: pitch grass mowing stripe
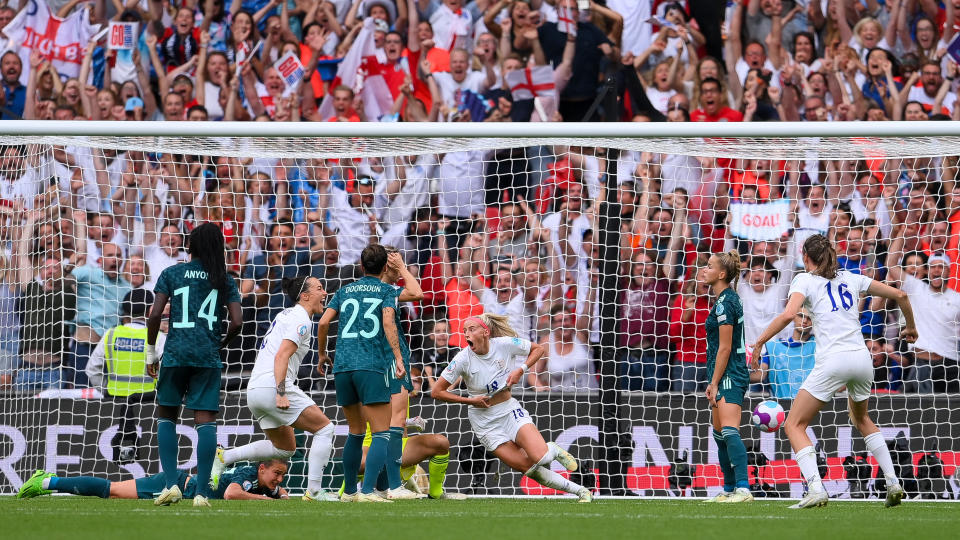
{"x": 85, "y": 518}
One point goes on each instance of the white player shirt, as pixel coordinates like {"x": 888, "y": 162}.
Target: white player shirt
{"x": 834, "y": 305}
{"x": 487, "y": 374}
{"x": 292, "y": 324}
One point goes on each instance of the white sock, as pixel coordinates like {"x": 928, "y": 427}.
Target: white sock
{"x": 807, "y": 460}
{"x": 547, "y": 459}
{"x": 320, "y": 451}
{"x": 878, "y": 447}
{"x": 45, "y": 484}
{"x": 255, "y": 451}
{"x": 546, "y": 477}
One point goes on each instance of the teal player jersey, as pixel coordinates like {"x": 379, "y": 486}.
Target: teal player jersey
{"x": 244, "y": 476}
{"x": 728, "y": 310}
{"x": 361, "y": 342}
{"x": 197, "y": 312}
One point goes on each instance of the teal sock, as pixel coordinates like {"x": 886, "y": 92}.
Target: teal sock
{"x": 206, "y": 451}
{"x": 352, "y": 456}
{"x": 729, "y": 481}
{"x": 738, "y": 455}
{"x": 169, "y": 448}
{"x": 376, "y": 459}
{"x": 394, "y": 456}
{"x": 382, "y": 483}
{"x": 82, "y": 485}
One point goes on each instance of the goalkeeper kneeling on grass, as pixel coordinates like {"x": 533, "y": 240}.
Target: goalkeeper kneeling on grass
{"x": 250, "y": 482}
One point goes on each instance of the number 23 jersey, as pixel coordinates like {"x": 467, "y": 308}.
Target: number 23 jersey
{"x": 197, "y": 312}
{"x": 834, "y": 305}
{"x": 487, "y": 374}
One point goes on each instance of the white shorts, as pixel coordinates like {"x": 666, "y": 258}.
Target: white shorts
{"x": 853, "y": 369}
{"x": 498, "y": 424}
{"x": 262, "y": 402}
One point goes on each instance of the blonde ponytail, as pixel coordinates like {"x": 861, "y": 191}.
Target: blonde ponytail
{"x": 499, "y": 325}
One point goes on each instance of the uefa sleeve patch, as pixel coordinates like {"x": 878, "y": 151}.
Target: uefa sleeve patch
{"x": 517, "y": 342}
{"x": 721, "y": 318}
{"x": 720, "y": 309}
{"x": 247, "y": 485}
{"x": 302, "y": 331}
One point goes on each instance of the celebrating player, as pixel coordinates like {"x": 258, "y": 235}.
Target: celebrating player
{"x": 241, "y": 483}
{"x": 833, "y": 297}
{"x": 275, "y": 400}
{"x": 503, "y": 426}
{"x": 729, "y": 377}
{"x": 366, "y": 336}
{"x": 197, "y": 290}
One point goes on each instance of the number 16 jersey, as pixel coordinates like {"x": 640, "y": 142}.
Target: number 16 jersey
{"x": 197, "y": 312}
{"x": 834, "y": 306}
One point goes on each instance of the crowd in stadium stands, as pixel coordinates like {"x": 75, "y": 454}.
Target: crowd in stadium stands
{"x": 509, "y": 231}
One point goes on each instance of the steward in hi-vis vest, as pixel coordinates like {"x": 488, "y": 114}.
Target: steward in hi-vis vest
{"x": 118, "y": 366}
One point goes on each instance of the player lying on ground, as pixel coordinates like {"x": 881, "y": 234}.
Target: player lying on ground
{"x": 239, "y": 484}
{"x": 728, "y": 374}
{"x": 503, "y": 426}
{"x": 414, "y": 450}
{"x": 842, "y": 359}
{"x": 274, "y": 398}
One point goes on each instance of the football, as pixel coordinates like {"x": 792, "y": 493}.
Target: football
{"x": 769, "y": 416}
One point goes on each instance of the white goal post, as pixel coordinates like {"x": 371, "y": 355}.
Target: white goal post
{"x": 588, "y": 236}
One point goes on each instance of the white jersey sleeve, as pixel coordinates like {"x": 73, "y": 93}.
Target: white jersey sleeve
{"x": 292, "y": 324}
{"x": 800, "y": 284}
{"x": 510, "y": 346}
{"x": 454, "y": 369}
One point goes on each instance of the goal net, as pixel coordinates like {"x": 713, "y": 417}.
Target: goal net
{"x": 591, "y": 239}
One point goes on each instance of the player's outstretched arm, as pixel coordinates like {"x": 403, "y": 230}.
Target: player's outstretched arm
{"x": 909, "y": 332}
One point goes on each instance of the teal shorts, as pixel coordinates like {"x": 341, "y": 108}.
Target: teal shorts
{"x": 406, "y": 382}
{"x": 364, "y": 387}
{"x": 733, "y": 394}
{"x": 195, "y": 387}
{"x": 149, "y": 487}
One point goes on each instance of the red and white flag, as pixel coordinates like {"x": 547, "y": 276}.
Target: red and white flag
{"x": 291, "y": 71}
{"x": 244, "y": 54}
{"x": 565, "y": 21}
{"x": 361, "y": 69}
{"x": 529, "y": 83}
{"x": 61, "y": 41}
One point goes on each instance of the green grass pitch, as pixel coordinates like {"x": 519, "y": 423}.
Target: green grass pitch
{"x": 79, "y": 518}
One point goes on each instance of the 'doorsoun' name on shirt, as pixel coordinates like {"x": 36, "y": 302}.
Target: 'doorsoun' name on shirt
{"x": 194, "y": 274}
{"x": 362, "y": 288}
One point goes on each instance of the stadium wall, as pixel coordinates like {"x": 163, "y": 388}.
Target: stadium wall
{"x": 73, "y": 437}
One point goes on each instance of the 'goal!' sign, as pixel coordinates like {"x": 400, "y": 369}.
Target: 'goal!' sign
{"x": 291, "y": 71}
{"x": 123, "y": 35}
{"x": 766, "y": 221}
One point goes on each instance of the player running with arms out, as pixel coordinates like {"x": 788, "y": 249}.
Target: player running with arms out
{"x": 200, "y": 292}
{"x": 274, "y": 398}
{"x": 842, "y": 359}
{"x": 728, "y": 374}
{"x": 258, "y": 482}
{"x": 503, "y": 426}
{"x": 368, "y": 356}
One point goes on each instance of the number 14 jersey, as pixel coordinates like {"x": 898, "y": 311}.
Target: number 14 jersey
{"x": 197, "y": 312}
{"x": 834, "y": 305}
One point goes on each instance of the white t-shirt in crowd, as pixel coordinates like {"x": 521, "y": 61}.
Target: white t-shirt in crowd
{"x": 577, "y": 228}
{"x": 486, "y": 375}
{"x": 637, "y": 32}
{"x": 475, "y": 81}
{"x": 352, "y": 226}
{"x": 939, "y": 326}
{"x": 292, "y": 324}
{"x": 834, "y": 306}
{"x": 918, "y": 94}
{"x": 460, "y": 187}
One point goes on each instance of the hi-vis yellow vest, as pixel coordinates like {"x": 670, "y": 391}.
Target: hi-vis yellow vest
{"x": 126, "y": 362}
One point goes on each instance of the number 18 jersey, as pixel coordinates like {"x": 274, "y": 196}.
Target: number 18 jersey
{"x": 197, "y": 312}
{"x": 361, "y": 342}
{"x": 834, "y": 305}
